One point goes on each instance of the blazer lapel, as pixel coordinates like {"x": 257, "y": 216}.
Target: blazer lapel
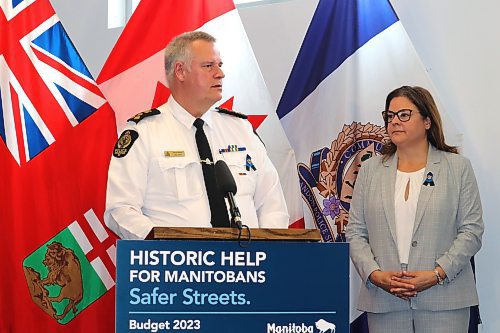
{"x": 388, "y": 187}
{"x": 431, "y": 178}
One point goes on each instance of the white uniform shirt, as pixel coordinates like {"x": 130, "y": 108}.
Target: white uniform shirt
{"x": 147, "y": 188}
{"x": 406, "y": 209}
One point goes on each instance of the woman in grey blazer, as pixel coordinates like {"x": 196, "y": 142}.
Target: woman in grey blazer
{"x": 415, "y": 221}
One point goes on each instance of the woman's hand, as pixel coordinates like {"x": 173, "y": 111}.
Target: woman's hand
{"x": 422, "y": 280}
{"x": 394, "y": 283}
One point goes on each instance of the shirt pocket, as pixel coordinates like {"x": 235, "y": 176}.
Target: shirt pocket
{"x": 181, "y": 176}
{"x": 246, "y": 180}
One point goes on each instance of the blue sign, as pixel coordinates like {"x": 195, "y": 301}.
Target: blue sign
{"x": 210, "y": 286}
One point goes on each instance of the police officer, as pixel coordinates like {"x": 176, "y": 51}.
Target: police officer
{"x": 156, "y": 176}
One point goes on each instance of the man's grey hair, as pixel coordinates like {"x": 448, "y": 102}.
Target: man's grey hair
{"x": 179, "y": 49}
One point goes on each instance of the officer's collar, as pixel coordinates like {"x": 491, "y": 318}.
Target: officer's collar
{"x": 184, "y": 117}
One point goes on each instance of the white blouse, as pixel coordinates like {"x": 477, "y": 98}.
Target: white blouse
{"x": 406, "y": 209}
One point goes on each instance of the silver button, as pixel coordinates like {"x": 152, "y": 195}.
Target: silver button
{"x": 414, "y": 244}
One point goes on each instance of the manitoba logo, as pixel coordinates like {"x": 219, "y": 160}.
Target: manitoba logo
{"x": 61, "y": 277}
{"x": 325, "y": 326}
{"x": 333, "y": 171}
{"x": 321, "y": 325}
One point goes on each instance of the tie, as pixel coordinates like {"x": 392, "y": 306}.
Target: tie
{"x": 216, "y": 200}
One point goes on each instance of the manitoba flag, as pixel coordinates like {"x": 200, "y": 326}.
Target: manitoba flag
{"x": 133, "y": 77}
{"x": 354, "y": 53}
{"x": 56, "y": 135}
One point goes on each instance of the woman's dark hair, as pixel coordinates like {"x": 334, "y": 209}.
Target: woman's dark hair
{"x": 425, "y": 104}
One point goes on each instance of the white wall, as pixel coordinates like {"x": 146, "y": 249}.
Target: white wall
{"x": 459, "y": 44}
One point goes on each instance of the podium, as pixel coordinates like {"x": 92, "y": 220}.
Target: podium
{"x": 205, "y": 280}
{"x": 177, "y": 233}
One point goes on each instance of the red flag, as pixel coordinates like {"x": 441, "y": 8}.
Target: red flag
{"x": 133, "y": 77}
{"x": 56, "y": 135}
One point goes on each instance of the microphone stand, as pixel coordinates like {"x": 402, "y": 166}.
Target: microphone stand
{"x": 235, "y": 212}
{"x": 236, "y": 219}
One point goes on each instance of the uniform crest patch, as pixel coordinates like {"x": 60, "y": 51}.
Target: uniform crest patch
{"x": 124, "y": 143}
{"x": 141, "y": 115}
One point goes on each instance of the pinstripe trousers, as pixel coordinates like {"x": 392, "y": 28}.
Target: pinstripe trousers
{"x": 420, "y": 321}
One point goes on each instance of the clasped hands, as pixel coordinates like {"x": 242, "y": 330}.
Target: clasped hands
{"x": 404, "y": 284}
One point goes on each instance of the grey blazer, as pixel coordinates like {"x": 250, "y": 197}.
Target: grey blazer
{"x": 447, "y": 232}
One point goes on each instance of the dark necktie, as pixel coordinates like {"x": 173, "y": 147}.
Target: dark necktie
{"x": 216, "y": 200}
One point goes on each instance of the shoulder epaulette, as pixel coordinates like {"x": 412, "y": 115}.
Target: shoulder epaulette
{"x": 232, "y": 113}
{"x": 141, "y": 115}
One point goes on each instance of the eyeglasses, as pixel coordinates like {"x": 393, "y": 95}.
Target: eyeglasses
{"x": 403, "y": 115}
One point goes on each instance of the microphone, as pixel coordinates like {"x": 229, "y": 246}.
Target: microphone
{"x": 227, "y": 186}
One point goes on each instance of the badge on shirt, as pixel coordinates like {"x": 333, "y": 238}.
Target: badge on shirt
{"x": 124, "y": 143}
{"x": 231, "y": 148}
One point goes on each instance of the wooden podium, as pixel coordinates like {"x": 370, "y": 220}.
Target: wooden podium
{"x": 178, "y": 233}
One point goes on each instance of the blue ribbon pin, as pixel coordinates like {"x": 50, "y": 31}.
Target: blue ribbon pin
{"x": 249, "y": 164}
{"x": 429, "y": 180}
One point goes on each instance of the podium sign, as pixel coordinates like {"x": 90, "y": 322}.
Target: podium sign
{"x": 219, "y": 286}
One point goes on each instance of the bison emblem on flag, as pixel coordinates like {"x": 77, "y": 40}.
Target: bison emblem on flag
{"x": 64, "y": 271}
{"x": 59, "y": 273}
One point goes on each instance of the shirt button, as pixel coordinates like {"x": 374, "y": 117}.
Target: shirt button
{"x": 414, "y": 244}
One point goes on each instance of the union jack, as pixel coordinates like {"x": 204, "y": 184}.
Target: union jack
{"x": 45, "y": 88}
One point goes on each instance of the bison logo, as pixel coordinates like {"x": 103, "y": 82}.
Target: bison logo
{"x": 323, "y": 326}
{"x": 64, "y": 271}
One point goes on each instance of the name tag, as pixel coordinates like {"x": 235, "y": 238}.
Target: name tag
{"x": 174, "y": 153}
